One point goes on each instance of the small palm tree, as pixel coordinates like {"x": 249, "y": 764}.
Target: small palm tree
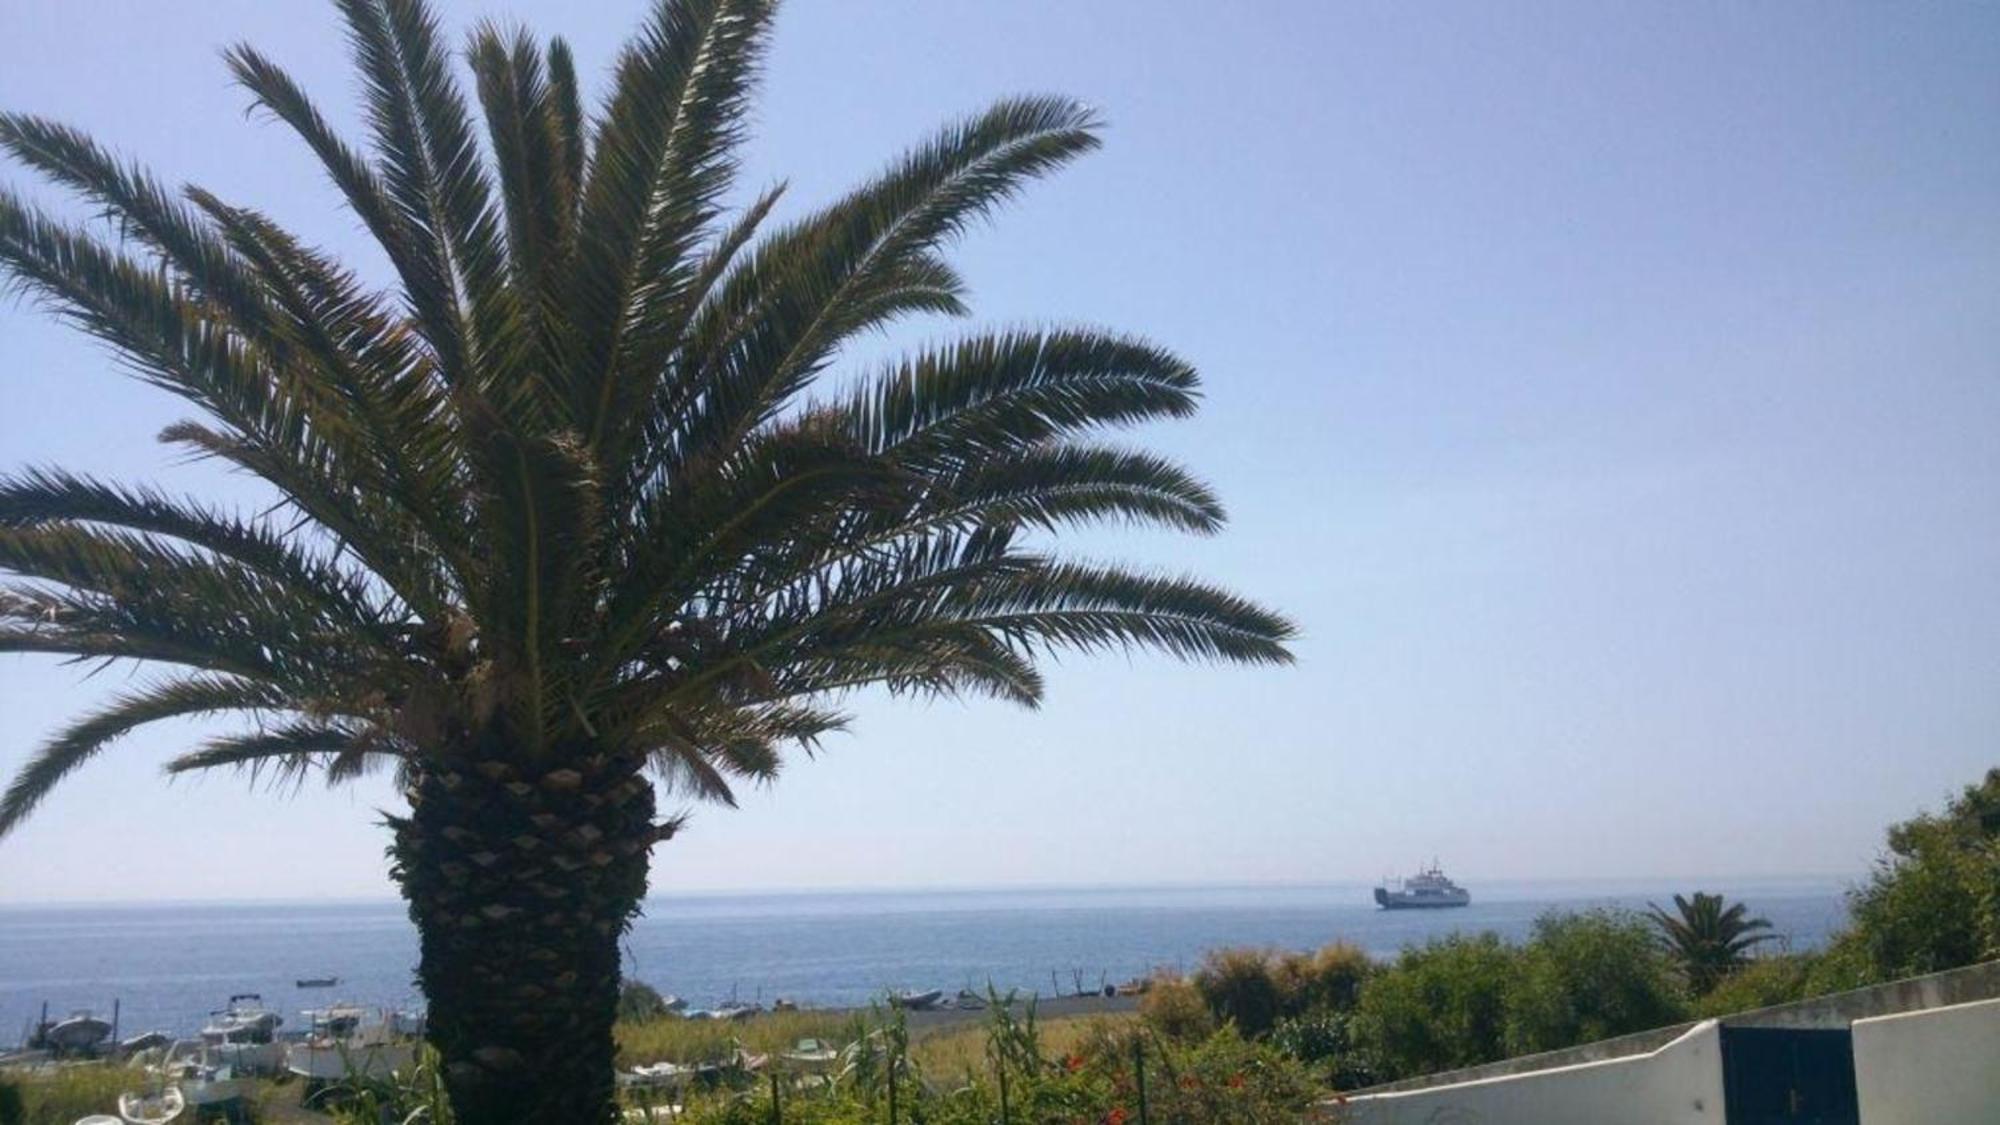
{"x": 558, "y": 529}
{"x": 1706, "y": 941}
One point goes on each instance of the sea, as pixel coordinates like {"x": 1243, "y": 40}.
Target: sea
{"x": 164, "y": 966}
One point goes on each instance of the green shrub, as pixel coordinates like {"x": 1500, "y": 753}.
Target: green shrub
{"x": 639, "y": 1002}
{"x": 1933, "y": 901}
{"x": 1323, "y": 1040}
{"x": 1765, "y": 981}
{"x": 1442, "y": 1005}
{"x": 1588, "y": 976}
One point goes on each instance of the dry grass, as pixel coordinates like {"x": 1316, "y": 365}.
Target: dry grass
{"x": 681, "y": 1040}
{"x": 60, "y": 1095}
{"x": 952, "y": 1052}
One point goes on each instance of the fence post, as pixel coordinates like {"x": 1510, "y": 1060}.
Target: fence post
{"x": 1139, "y": 1071}
{"x": 777, "y": 1107}
{"x": 892, "y": 1090}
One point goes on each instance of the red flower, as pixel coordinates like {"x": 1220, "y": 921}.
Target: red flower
{"x": 1190, "y": 1082}
{"x": 1116, "y": 1116}
{"x": 1236, "y": 1081}
{"x": 1073, "y": 1063}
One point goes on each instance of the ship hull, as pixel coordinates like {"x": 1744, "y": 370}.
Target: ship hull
{"x": 1389, "y": 900}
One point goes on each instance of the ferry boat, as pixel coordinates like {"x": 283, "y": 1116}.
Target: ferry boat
{"x": 1427, "y": 889}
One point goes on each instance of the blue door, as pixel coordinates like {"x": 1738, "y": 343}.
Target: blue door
{"x": 1787, "y": 1076}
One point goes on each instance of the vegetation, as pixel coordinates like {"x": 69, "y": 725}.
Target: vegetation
{"x": 674, "y": 1039}
{"x": 1933, "y": 901}
{"x": 1442, "y": 1005}
{"x": 556, "y": 529}
{"x": 61, "y": 1096}
{"x": 1706, "y": 940}
{"x": 1587, "y": 976}
{"x": 1763, "y": 982}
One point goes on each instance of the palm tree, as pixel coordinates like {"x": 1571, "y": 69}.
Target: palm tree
{"x": 559, "y": 531}
{"x": 1706, "y": 941}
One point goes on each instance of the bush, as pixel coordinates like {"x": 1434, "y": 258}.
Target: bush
{"x": 1765, "y": 981}
{"x": 1323, "y": 1040}
{"x": 639, "y": 1002}
{"x": 1240, "y": 987}
{"x": 1588, "y": 976}
{"x": 1442, "y": 1005}
{"x": 1326, "y": 981}
{"x": 1933, "y": 902}
{"x": 1175, "y": 1008}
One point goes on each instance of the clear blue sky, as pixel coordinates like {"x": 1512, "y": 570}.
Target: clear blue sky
{"x": 1611, "y": 391}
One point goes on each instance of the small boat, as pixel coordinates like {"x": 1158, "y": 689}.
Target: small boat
{"x": 244, "y": 1020}
{"x": 146, "y": 1042}
{"x": 329, "y": 1060}
{"x": 673, "y": 1003}
{"x": 406, "y": 1025}
{"x": 318, "y": 982}
{"x": 81, "y": 1032}
{"x": 657, "y": 1075}
{"x": 735, "y": 1011}
{"x": 1427, "y": 889}
{"x": 811, "y": 1052}
{"x": 911, "y": 1000}
{"x": 969, "y": 1000}
{"x": 153, "y": 1108}
{"x": 243, "y": 1035}
{"x": 206, "y": 1084}
{"x": 335, "y": 1021}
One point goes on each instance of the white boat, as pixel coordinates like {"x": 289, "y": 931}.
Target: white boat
{"x": 148, "y": 1041}
{"x": 205, "y": 1082}
{"x": 330, "y": 1060}
{"x": 916, "y": 1001}
{"x": 244, "y": 1020}
{"x": 80, "y": 1032}
{"x": 811, "y": 1053}
{"x": 156, "y": 1107}
{"x": 243, "y": 1035}
{"x": 1427, "y": 889}
{"x": 335, "y": 1021}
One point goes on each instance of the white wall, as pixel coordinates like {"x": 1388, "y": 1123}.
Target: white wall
{"x": 1930, "y": 1066}
{"x": 1680, "y": 1082}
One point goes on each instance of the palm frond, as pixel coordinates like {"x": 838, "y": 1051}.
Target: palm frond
{"x": 662, "y": 160}
{"x": 291, "y": 751}
{"x": 998, "y": 393}
{"x": 778, "y": 319}
{"x": 80, "y": 741}
{"x": 41, "y": 497}
{"x": 141, "y": 207}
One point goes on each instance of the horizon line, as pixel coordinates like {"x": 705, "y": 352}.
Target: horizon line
{"x": 1831, "y": 879}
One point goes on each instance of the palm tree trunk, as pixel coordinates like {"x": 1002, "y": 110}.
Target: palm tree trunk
{"x": 521, "y": 885}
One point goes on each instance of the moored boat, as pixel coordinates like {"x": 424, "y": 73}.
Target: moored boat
{"x": 152, "y": 1107}
{"x": 912, "y": 1000}
{"x": 243, "y": 1035}
{"x": 80, "y": 1033}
